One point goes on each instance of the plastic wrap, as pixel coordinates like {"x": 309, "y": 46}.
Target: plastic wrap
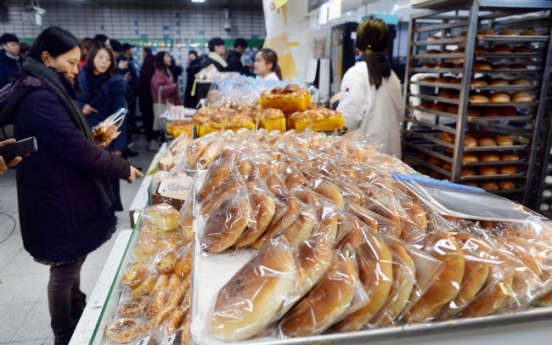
{"x": 196, "y": 148}
{"x": 224, "y": 165}
{"x": 122, "y": 331}
{"x": 107, "y": 130}
{"x": 247, "y": 304}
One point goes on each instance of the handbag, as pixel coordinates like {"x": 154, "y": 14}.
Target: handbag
{"x": 158, "y": 109}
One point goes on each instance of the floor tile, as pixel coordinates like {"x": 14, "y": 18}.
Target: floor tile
{"x": 36, "y": 324}
{"x": 46, "y": 341}
{"x": 13, "y": 319}
{"x": 13, "y": 244}
{"x": 22, "y": 288}
{"x": 23, "y": 264}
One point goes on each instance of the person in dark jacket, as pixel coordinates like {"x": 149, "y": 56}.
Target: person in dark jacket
{"x": 217, "y": 52}
{"x": 9, "y": 58}
{"x": 103, "y": 92}
{"x": 234, "y": 57}
{"x": 176, "y": 70}
{"x": 24, "y": 49}
{"x": 63, "y": 188}
{"x": 192, "y": 69}
{"x": 128, "y": 50}
{"x": 145, "y": 99}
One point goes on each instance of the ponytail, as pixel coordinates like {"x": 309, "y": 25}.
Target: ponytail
{"x": 276, "y": 69}
{"x": 372, "y": 40}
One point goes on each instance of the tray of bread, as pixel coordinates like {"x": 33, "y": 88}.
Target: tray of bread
{"x": 303, "y": 237}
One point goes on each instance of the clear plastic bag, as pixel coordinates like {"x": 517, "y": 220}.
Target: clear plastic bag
{"x": 107, "y": 130}
{"x": 219, "y": 170}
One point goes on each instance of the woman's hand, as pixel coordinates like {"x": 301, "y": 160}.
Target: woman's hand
{"x": 3, "y": 166}
{"x": 127, "y": 77}
{"x": 133, "y": 173}
{"x": 117, "y": 152}
{"x": 87, "y": 110}
{"x": 123, "y": 64}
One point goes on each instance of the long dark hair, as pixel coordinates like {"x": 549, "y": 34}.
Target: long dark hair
{"x": 149, "y": 63}
{"x": 96, "y": 47}
{"x": 54, "y": 40}
{"x": 160, "y": 62}
{"x": 372, "y": 39}
{"x": 270, "y": 56}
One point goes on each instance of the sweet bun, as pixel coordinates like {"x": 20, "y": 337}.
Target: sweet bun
{"x": 164, "y": 216}
{"x": 447, "y": 166}
{"x": 456, "y": 81}
{"x": 504, "y": 140}
{"x": 426, "y": 105}
{"x": 530, "y": 32}
{"x": 122, "y": 331}
{"x": 469, "y": 141}
{"x": 144, "y": 251}
{"x": 323, "y": 305}
{"x": 133, "y": 307}
{"x": 429, "y": 65}
{"x": 509, "y": 157}
{"x": 313, "y": 258}
{"x": 439, "y": 107}
{"x": 486, "y": 32}
{"x": 470, "y": 184}
{"x": 489, "y": 157}
{"x": 475, "y": 112}
{"x": 522, "y": 49}
{"x": 493, "y": 111}
{"x": 446, "y": 51}
{"x": 502, "y": 49}
{"x": 429, "y": 79}
{"x": 459, "y": 65}
{"x": 508, "y": 32}
{"x": 508, "y": 169}
{"x": 480, "y": 50}
{"x": 478, "y": 99}
{"x": 228, "y": 187}
{"x": 482, "y": 65}
{"x": 486, "y": 142}
{"x": 522, "y": 82}
{"x": 500, "y": 97}
{"x": 521, "y": 96}
{"x": 487, "y": 170}
{"x": 469, "y": 157}
{"x": 499, "y": 82}
{"x": 443, "y": 80}
{"x": 506, "y": 185}
{"x": 447, "y": 137}
{"x": 445, "y": 287}
{"x": 330, "y": 191}
{"x": 264, "y": 209}
{"x": 433, "y": 51}
{"x": 447, "y": 93}
{"x": 453, "y": 109}
{"x": 458, "y": 50}
{"x": 489, "y": 186}
{"x": 467, "y": 172}
{"x": 518, "y": 66}
{"x": 215, "y": 176}
{"x": 501, "y": 66}
{"x": 509, "y": 111}
{"x": 225, "y": 224}
{"x": 253, "y": 295}
{"x": 478, "y": 82}
{"x": 445, "y": 65}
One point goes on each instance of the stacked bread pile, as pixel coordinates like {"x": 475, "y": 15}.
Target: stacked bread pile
{"x": 209, "y": 120}
{"x": 344, "y": 246}
{"x": 290, "y": 98}
{"x": 157, "y": 283}
{"x": 322, "y": 119}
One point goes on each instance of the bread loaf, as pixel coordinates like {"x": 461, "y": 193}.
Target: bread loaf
{"x": 504, "y": 140}
{"x": 502, "y": 49}
{"x": 225, "y": 224}
{"x": 521, "y": 96}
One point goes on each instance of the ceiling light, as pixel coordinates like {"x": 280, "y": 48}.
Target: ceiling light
{"x": 198, "y": 0}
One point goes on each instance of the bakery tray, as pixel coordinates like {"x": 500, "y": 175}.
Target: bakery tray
{"x": 435, "y": 112}
{"x": 504, "y": 88}
{"x": 441, "y": 85}
{"x": 437, "y": 70}
{"x": 430, "y": 152}
{"x": 500, "y": 118}
{"x": 491, "y": 177}
{"x": 481, "y": 163}
{"x": 439, "y": 56}
{"x": 495, "y": 148}
{"x": 435, "y": 98}
{"x": 512, "y": 39}
{"x": 506, "y": 104}
{"x": 449, "y": 40}
{"x": 429, "y": 165}
{"x": 432, "y": 138}
{"x": 507, "y": 191}
{"x": 506, "y": 71}
{"x": 510, "y": 55}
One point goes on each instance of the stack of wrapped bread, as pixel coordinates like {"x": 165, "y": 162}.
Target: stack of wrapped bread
{"x": 290, "y": 98}
{"x": 342, "y": 246}
{"x": 156, "y": 297}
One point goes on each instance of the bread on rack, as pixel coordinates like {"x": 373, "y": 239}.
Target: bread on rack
{"x": 478, "y": 99}
{"x": 458, "y": 50}
{"x": 435, "y": 161}
{"x": 508, "y": 169}
{"x": 474, "y": 112}
{"x": 445, "y": 65}
{"x": 504, "y": 140}
{"x": 521, "y": 96}
{"x": 506, "y": 185}
{"x": 439, "y": 107}
{"x": 482, "y": 65}
{"x": 489, "y": 157}
{"x": 469, "y": 141}
{"x": 486, "y": 32}
{"x": 453, "y": 109}
{"x": 469, "y": 157}
{"x": 529, "y": 32}
{"x": 509, "y": 32}
{"x": 447, "y": 93}
{"x": 426, "y": 105}
{"x": 456, "y": 81}
{"x": 225, "y": 224}
{"x": 478, "y": 82}
{"x": 518, "y": 66}
{"x": 429, "y": 65}
{"x": 446, "y": 51}
{"x": 470, "y": 184}
{"x": 502, "y": 49}
{"x": 522, "y": 49}
{"x": 509, "y": 111}
{"x": 478, "y": 50}
{"x": 489, "y": 186}
{"x": 467, "y": 172}
{"x": 447, "y": 137}
{"x": 443, "y": 80}
{"x": 501, "y": 66}
{"x": 433, "y": 51}
{"x": 509, "y": 157}
{"x": 459, "y": 65}
{"x": 429, "y": 79}
{"x": 521, "y": 82}
{"x": 487, "y": 170}
{"x": 493, "y": 111}
{"x": 500, "y": 97}
{"x": 486, "y": 142}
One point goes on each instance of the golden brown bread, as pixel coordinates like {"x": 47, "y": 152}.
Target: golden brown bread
{"x": 500, "y": 97}
{"x": 509, "y": 111}
{"x": 504, "y": 140}
{"x": 302, "y": 226}
{"x": 447, "y": 137}
{"x": 487, "y": 170}
{"x": 489, "y": 186}
{"x": 478, "y": 82}
{"x": 486, "y": 142}
{"x": 445, "y": 65}
{"x": 501, "y": 66}
{"x": 375, "y": 263}
{"x": 225, "y": 224}
{"x": 447, "y": 93}
{"x": 521, "y": 96}
{"x": 474, "y": 111}
{"x": 509, "y": 157}
{"x": 506, "y": 185}
{"x": 216, "y": 175}
{"x": 530, "y": 32}
{"x": 313, "y": 259}
{"x": 429, "y": 65}
{"x": 482, "y": 65}
{"x": 499, "y": 82}
{"x": 508, "y": 32}
{"x": 502, "y": 49}
{"x": 445, "y": 288}
{"x": 489, "y": 157}
{"x": 522, "y": 82}
{"x": 227, "y": 188}
{"x": 522, "y": 49}
{"x": 433, "y": 51}
{"x": 439, "y": 107}
{"x": 469, "y": 157}
{"x": 263, "y": 208}
{"x": 443, "y": 80}
{"x": 486, "y": 32}
{"x": 325, "y": 303}
{"x": 478, "y": 99}
{"x": 253, "y": 294}
{"x": 330, "y": 191}
{"x": 429, "y": 79}
{"x": 480, "y": 50}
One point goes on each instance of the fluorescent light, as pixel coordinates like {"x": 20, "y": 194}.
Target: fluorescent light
{"x": 198, "y": 0}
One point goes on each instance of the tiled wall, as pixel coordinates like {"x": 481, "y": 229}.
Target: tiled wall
{"x": 139, "y": 22}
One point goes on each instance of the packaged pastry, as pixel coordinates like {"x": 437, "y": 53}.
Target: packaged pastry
{"x": 272, "y": 119}
{"x": 107, "y": 130}
{"x": 321, "y": 119}
{"x": 164, "y": 216}
{"x": 288, "y": 99}
{"x": 122, "y": 331}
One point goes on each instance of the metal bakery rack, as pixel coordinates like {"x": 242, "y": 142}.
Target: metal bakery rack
{"x": 427, "y": 113}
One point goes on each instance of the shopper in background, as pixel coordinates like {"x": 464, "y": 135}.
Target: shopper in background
{"x": 217, "y": 51}
{"x": 103, "y": 39}
{"x": 266, "y": 65}
{"x": 234, "y": 57}
{"x": 192, "y": 69}
{"x": 176, "y": 70}
{"x": 103, "y": 92}
{"x": 85, "y": 45}
{"x": 5, "y": 165}
{"x": 24, "y": 49}
{"x": 128, "y": 50}
{"x": 145, "y": 99}
{"x": 164, "y": 90}
{"x": 116, "y": 46}
{"x": 9, "y": 58}
{"x": 63, "y": 190}
{"x": 371, "y": 92}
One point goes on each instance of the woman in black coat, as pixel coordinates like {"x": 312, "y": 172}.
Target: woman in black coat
{"x": 193, "y": 68}
{"x": 145, "y": 100}
{"x": 63, "y": 188}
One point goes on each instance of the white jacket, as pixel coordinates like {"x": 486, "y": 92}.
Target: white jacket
{"x": 271, "y": 76}
{"x": 377, "y": 113}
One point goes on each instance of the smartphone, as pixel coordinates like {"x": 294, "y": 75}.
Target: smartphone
{"x": 20, "y": 148}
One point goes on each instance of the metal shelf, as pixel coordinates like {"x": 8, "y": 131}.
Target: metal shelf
{"x": 440, "y": 85}
{"x": 510, "y": 55}
{"x": 439, "y": 56}
{"x": 437, "y": 70}
{"x": 450, "y": 40}
{"x": 491, "y": 177}
{"x": 504, "y": 88}
{"x": 512, "y": 39}
{"x": 435, "y": 112}
{"x": 506, "y": 71}
{"x": 435, "y": 98}
{"x": 505, "y": 104}
{"x": 494, "y": 148}
{"x": 485, "y": 163}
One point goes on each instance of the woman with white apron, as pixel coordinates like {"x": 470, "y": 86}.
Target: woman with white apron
{"x": 371, "y": 97}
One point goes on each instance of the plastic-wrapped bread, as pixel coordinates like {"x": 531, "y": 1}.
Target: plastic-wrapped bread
{"x": 253, "y": 296}
{"x": 196, "y": 147}
{"x": 217, "y": 173}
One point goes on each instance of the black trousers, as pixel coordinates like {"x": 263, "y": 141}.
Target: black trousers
{"x": 65, "y": 299}
{"x": 147, "y": 116}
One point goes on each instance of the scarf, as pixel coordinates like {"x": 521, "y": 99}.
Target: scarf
{"x": 95, "y": 82}
{"x": 55, "y": 85}
{"x": 215, "y": 57}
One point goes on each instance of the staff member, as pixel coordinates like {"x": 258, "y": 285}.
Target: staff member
{"x": 370, "y": 92}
